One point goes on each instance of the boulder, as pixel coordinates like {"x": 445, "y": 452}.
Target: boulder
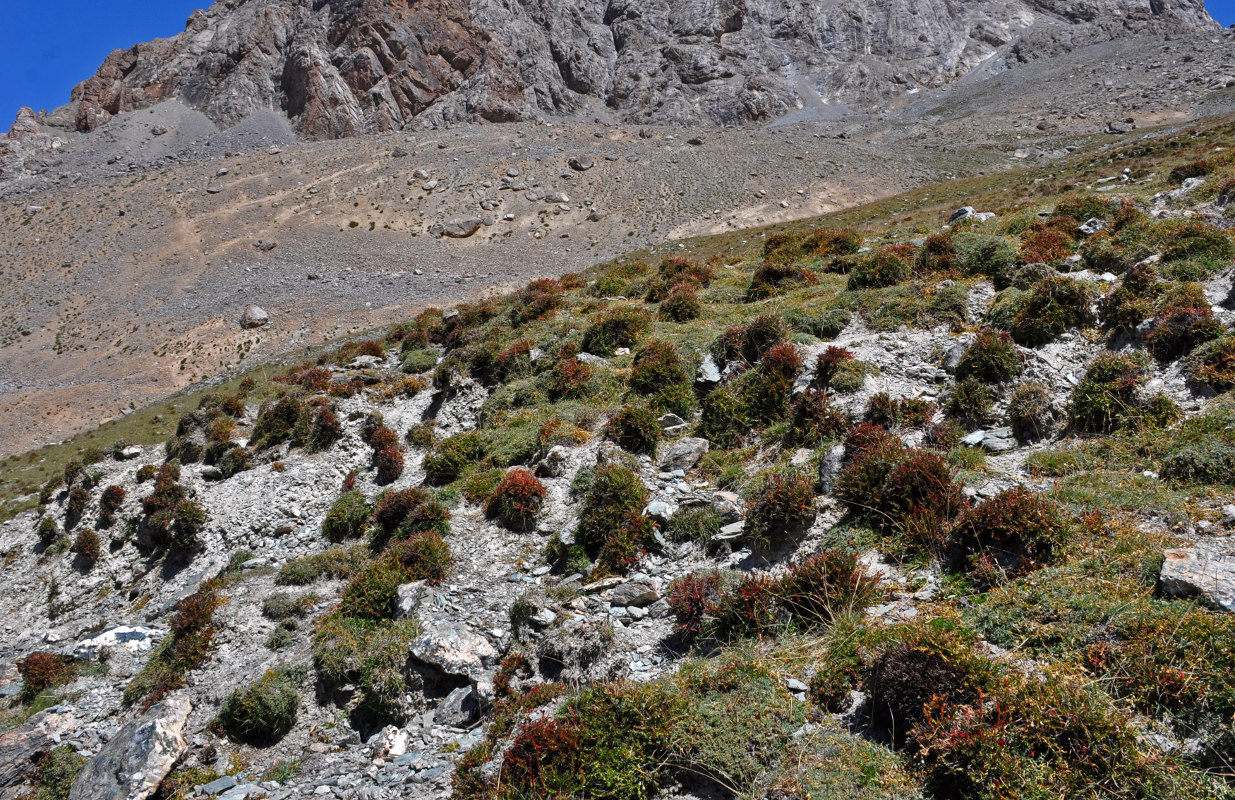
{"x": 138, "y": 757}
{"x": 134, "y": 639}
{"x": 410, "y": 597}
{"x": 581, "y": 163}
{"x": 830, "y": 465}
{"x": 1207, "y": 572}
{"x": 684, "y": 453}
{"x": 459, "y": 652}
{"x": 254, "y": 317}
{"x": 456, "y": 229}
{"x": 459, "y": 710}
{"x": 633, "y": 593}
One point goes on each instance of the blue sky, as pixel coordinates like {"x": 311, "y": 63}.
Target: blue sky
{"x": 48, "y": 46}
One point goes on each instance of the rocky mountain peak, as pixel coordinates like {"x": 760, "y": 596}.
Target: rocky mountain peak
{"x": 338, "y": 68}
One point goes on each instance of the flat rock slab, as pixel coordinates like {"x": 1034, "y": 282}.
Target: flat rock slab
{"x": 137, "y": 758}
{"x": 1206, "y": 572}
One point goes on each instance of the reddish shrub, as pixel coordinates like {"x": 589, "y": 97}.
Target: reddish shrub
{"x": 1010, "y": 534}
{"x": 394, "y": 507}
{"x": 828, "y": 362}
{"x": 749, "y": 342}
{"x": 1178, "y": 331}
{"x": 824, "y": 584}
{"x": 517, "y": 500}
{"x": 325, "y": 429}
{"x": 750, "y": 609}
{"x": 919, "y": 498}
{"x": 112, "y": 499}
{"x": 815, "y": 420}
{"x": 773, "y": 277}
{"x": 41, "y": 670}
{"x": 571, "y": 378}
{"x": 783, "y": 503}
{"x": 87, "y": 547}
{"x": 540, "y": 299}
{"x": 869, "y": 436}
{"x": 768, "y": 394}
{"x": 389, "y": 464}
{"x": 382, "y": 437}
{"x": 682, "y": 304}
{"x": 515, "y": 361}
{"x": 938, "y": 254}
{"x": 1048, "y": 242}
{"x": 692, "y": 598}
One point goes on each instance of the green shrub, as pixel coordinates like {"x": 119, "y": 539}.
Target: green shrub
{"x": 1051, "y": 307}
{"x": 263, "y": 713}
{"x": 657, "y": 366}
{"x": 724, "y": 421}
{"x": 783, "y": 504}
{"x": 275, "y": 422}
{"x": 1084, "y": 207}
{"x": 540, "y": 299}
{"x": 347, "y": 518}
{"x": 187, "y": 646}
{"x": 56, "y": 772}
{"x": 789, "y": 248}
{"x": 145, "y": 473}
{"x": 982, "y": 254}
{"x": 372, "y": 657}
{"x": 619, "y": 327}
{"x": 47, "y": 531}
{"x": 773, "y": 278}
{"x": 991, "y": 358}
{"x": 516, "y": 501}
{"x": 611, "y": 526}
{"x": 634, "y": 429}
{"x": 419, "y": 361}
{"x": 970, "y": 401}
{"x": 75, "y": 506}
{"x": 1207, "y": 462}
{"x": 372, "y": 593}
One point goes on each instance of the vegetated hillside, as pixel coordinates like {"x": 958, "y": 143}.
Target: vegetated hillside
{"x": 338, "y": 69}
{"x": 871, "y": 507}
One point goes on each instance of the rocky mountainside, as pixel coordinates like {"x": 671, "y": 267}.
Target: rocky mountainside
{"x": 903, "y": 502}
{"x": 338, "y": 68}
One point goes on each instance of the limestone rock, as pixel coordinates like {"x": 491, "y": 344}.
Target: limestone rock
{"x": 254, "y": 317}
{"x": 684, "y": 453}
{"x": 459, "y": 652}
{"x": 456, "y": 229}
{"x": 1207, "y": 572}
{"x": 137, "y": 758}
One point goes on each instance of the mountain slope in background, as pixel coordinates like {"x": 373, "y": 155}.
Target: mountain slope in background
{"x": 343, "y": 67}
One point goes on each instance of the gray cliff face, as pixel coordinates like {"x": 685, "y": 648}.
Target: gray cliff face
{"x": 342, "y": 67}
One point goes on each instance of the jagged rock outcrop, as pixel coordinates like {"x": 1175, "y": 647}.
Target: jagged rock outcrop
{"x": 343, "y": 67}
{"x": 25, "y": 139}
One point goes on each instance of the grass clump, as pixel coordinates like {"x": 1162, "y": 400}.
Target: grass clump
{"x": 372, "y": 657}
{"x": 264, "y": 712}
{"x": 1051, "y": 307}
{"x": 1031, "y": 411}
{"x": 682, "y": 304}
{"x": 622, "y": 326}
{"x": 348, "y": 517}
{"x": 612, "y": 529}
{"x": 1107, "y": 399}
{"x": 774, "y": 278}
{"x": 886, "y": 267}
{"x": 991, "y": 358}
{"x": 333, "y": 563}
